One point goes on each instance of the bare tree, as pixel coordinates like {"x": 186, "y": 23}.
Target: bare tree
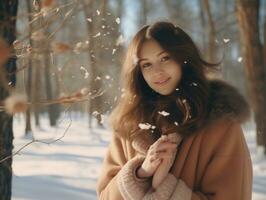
{"x": 8, "y": 12}
{"x": 91, "y": 27}
{"x": 212, "y": 33}
{"x": 252, "y": 47}
{"x": 29, "y": 81}
{"x": 143, "y": 12}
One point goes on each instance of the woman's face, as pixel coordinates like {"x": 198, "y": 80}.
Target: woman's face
{"x": 159, "y": 70}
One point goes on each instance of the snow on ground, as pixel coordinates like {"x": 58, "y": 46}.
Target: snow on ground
{"x": 68, "y": 169}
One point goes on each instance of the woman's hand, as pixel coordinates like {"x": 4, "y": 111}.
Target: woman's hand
{"x": 157, "y": 152}
{"x": 167, "y": 162}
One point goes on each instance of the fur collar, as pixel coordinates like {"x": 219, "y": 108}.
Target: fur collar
{"x": 225, "y": 103}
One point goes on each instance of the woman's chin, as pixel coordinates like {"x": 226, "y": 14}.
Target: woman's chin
{"x": 164, "y": 93}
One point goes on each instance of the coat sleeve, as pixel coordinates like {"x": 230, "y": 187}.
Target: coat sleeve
{"x": 229, "y": 174}
{"x": 118, "y": 175}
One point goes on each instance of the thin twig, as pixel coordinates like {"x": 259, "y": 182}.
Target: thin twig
{"x": 39, "y": 141}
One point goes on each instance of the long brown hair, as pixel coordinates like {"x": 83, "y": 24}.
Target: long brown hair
{"x": 187, "y": 105}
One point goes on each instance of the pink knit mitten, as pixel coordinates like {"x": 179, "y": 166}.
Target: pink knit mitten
{"x": 167, "y": 163}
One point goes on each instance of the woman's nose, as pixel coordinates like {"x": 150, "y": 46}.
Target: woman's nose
{"x": 157, "y": 68}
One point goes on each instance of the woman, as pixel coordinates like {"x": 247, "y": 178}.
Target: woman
{"x": 177, "y": 134}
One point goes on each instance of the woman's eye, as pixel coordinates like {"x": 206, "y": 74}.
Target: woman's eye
{"x": 165, "y": 58}
{"x": 146, "y": 65}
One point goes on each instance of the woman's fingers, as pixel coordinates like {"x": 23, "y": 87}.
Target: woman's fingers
{"x": 166, "y": 146}
{"x": 159, "y": 155}
{"x": 162, "y": 139}
{"x": 172, "y": 137}
{"x": 162, "y": 146}
{"x": 159, "y": 142}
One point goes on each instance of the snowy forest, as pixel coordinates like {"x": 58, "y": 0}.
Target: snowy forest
{"x": 60, "y": 64}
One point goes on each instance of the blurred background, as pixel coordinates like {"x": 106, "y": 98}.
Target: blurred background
{"x": 60, "y": 64}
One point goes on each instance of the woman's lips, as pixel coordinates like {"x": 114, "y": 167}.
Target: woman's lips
{"x": 162, "y": 81}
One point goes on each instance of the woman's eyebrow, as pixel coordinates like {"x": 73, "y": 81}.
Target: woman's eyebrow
{"x": 161, "y": 52}
{"x": 142, "y": 59}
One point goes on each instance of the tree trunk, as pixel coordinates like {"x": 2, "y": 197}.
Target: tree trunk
{"x": 8, "y": 10}
{"x": 264, "y": 39}
{"x": 36, "y": 71}
{"x": 247, "y": 13}
{"x": 49, "y": 93}
{"x": 95, "y": 59}
{"x": 212, "y": 33}
{"x": 144, "y": 13}
{"x": 91, "y": 30}
{"x": 28, "y": 129}
{"x": 203, "y": 25}
{"x": 36, "y": 93}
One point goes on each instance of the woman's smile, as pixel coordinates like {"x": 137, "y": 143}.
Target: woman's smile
{"x": 163, "y": 81}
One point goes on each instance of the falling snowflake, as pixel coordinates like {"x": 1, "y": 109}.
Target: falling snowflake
{"x": 177, "y": 89}
{"x": 89, "y": 19}
{"x": 144, "y": 126}
{"x": 164, "y": 113}
{"x": 84, "y": 91}
{"x": 102, "y": 119}
{"x": 86, "y": 75}
{"x": 120, "y": 40}
{"x": 176, "y": 123}
{"x": 117, "y": 20}
{"x": 98, "y": 12}
{"x": 113, "y": 52}
{"x": 239, "y": 59}
{"x": 95, "y": 113}
{"x": 97, "y": 35}
{"x": 107, "y": 77}
{"x": 185, "y": 62}
{"x": 226, "y": 40}
{"x": 194, "y": 84}
{"x": 97, "y": 78}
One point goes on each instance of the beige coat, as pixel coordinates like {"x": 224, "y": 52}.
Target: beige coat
{"x": 214, "y": 163}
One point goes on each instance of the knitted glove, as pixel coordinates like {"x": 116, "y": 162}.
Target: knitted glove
{"x": 167, "y": 163}
{"x": 130, "y": 186}
{"x": 182, "y": 191}
{"x": 171, "y": 188}
{"x": 164, "y": 190}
